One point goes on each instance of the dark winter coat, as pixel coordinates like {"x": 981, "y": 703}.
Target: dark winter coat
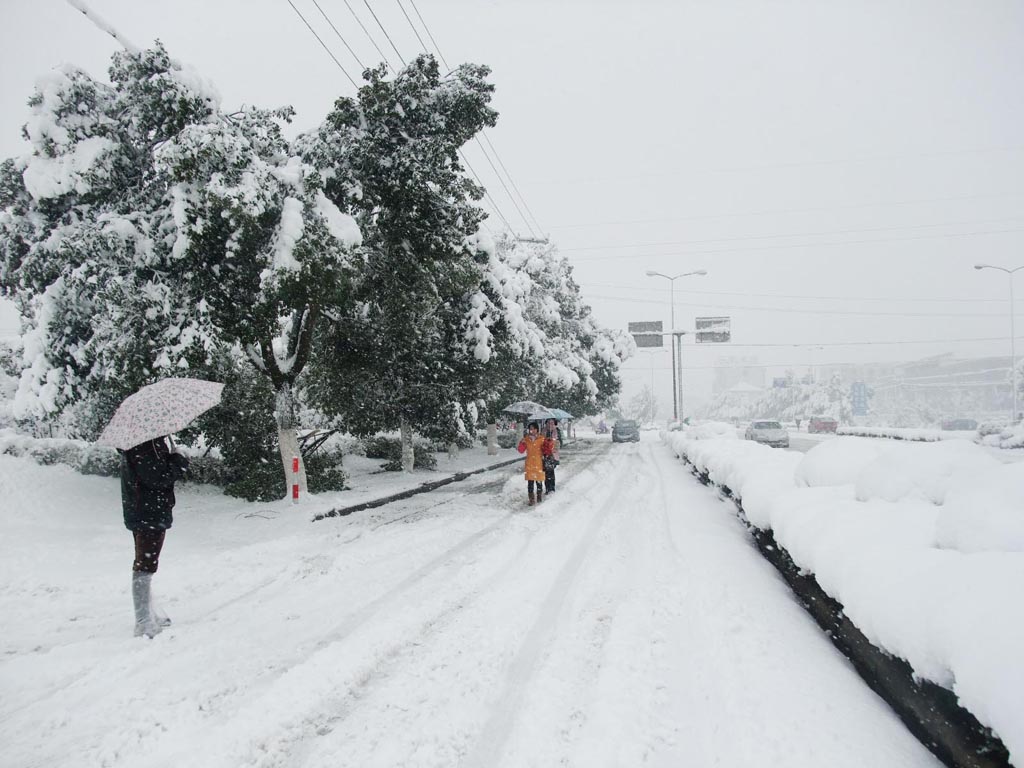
{"x": 148, "y": 474}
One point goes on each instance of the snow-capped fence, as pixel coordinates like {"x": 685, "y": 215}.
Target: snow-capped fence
{"x": 907, "y": 433}
{"x": 911, "y": 556}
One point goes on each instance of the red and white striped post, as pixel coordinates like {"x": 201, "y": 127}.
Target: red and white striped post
{"x": 295, "y": 479}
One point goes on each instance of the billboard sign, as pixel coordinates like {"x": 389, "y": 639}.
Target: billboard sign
{"x": 647, "y": 334}
{"x": 713, "y": 330}
{"x": 859, "y": 398}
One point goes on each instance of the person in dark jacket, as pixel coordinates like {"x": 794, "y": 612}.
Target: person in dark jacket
{"x": 148, "y": 474}
{"x": 553, "y": 433}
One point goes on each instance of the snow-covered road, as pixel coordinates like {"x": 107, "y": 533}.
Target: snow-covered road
{"x": 626, "y": 621}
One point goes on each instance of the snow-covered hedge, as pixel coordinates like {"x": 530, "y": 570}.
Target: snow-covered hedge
{"x": 921, "y": 543}
{"x": 91, "y": 459}
{"x": 905, "y": 433}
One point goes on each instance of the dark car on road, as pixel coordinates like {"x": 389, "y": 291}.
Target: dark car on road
{"x": 626, "y": 430}
{"x": 819, "y": 424}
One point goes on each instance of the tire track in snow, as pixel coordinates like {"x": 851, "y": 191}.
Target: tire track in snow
{"x": 495, "y": 733}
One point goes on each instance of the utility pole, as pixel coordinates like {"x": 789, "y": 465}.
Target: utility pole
{"x": 677, "y": 394}
{"x": 1013, "y": 341}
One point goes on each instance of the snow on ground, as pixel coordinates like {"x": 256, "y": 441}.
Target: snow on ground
{"x": 627, "y": 620}
{"x": 922, "y": 544}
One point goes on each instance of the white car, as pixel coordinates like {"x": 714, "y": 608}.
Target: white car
{"x": 768, "y": 432}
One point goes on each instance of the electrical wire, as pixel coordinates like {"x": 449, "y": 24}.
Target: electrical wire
{"x": 344, "y": 42}
{"x": 368, "y": 35}
{"x": 781, "y": 211}
{"x": 367, "y": 4}
{"x": 798, "y": 245}
{"x": 483, "y": 149}
{"x": 487, "y": 194}
{"x": 830, "y": 233}
{"x": 427, "y": 30}
{"x": 323, "y": 44}
{"x": 900, "y": 299}
{"x": 790, "y": 310}
{"x": 415, "y": 31}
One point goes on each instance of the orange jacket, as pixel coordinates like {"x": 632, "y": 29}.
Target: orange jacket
{"x": 535, "y": 448}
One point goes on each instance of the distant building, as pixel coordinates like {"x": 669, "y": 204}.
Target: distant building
{"x": 730, "y": 371}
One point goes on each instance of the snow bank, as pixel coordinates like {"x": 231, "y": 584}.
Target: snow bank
{"x": 926, "y": 471}
{"x": 837, "y": 462}
{"x": 921, "y": 543}
{"x": 985, "y": 512}
{"x": 907, "y": 433}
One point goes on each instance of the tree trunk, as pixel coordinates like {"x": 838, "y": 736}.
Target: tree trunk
{"x": 408, "y": 454}
{"x": 288, "y": 441}
{"x": 492, "y": 439}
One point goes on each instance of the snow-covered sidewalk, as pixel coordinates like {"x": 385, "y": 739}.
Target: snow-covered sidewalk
{"x": 625, "y": 621}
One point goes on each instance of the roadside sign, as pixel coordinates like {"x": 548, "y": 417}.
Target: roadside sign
{"x": 713, "y": 330}
{"x": 859, "y": 398}
{"x": 647, "y": 334}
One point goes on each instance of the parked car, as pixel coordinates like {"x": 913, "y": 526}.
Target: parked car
{"x": 819, "y": 424}
{"x": 625, "y": 430}
{"x": 959, "y": 424}
{"x": 768, "y": 432}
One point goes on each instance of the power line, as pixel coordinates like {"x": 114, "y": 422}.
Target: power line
{"x": 368, "y": 35}
{"x": 483, "y": 149}
{"x": 327, "y": 18}
{"x": 798, "y": 245}
{"x": 367, "y": 4}
{"x": 427, "y": 30}
{"x": 780, "y": 211}
{"x": 486, "y": 193}
{"x": 744, "y": 238}
{"x": 505, "y": 187}
{"x": 790, "y": 310}
{"x": 415, "y": 31}
{"x": 901, "y": 299}
{"x": 814, "y": 345}
{"x": 323, "y": 44}
{"x": 510, "y": 179}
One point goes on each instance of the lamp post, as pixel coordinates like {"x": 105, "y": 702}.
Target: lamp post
{"x": 1013, "y": 345}
{"x": 677, "y": 399}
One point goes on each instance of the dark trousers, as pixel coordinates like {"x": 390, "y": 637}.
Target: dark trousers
{"x": 531, "y": 485}
{"x": 148, "y": 544}
{"x": 549, "y": 480}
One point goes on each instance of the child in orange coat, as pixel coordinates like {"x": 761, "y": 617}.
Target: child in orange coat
{"x": 536, "y": 448}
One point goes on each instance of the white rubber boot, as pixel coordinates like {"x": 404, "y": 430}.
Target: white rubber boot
{"x": 144, "y": 623}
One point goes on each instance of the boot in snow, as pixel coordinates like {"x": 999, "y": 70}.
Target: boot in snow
{"x": 144, "y": 623}
{"x": 540, "y": 495}
{"x": 533, "y": 499}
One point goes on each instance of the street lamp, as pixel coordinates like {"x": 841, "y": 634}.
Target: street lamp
{"x": 677, "y": 395}
{"x": 1013, "y": 346}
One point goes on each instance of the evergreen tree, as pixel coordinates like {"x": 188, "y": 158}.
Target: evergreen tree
{"x": 397, "y": 360}
{"x": 149, "y": 233}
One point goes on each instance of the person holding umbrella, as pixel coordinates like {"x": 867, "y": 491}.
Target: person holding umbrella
{"x": 554, "y": 434}
{"x": 139, "y": 430}
{"x": 536, "y": 448}
{"x": 148, "y": 474}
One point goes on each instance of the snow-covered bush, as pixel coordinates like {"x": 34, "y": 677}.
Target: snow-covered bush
{"x": 984, "y": 511}
{"x": 837, "y": 462}
{"x": 926, "y": 471}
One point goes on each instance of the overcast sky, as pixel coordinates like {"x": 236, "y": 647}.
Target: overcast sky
{"x": 837, "y": 167}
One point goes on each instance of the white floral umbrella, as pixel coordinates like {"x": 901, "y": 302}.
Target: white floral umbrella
{"x": 159, "y": 409}
{"x": 523, "y": 408}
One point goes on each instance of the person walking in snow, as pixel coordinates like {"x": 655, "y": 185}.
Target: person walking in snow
{"x": 148, "y": 474}
{"x": 554, "y": 434}
{"x": 536, "y": 447}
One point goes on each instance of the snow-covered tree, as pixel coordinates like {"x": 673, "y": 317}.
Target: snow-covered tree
{"x": 398, "y": 360}
{"x": 552, "y": 351}
{"x": 149, "y": 231}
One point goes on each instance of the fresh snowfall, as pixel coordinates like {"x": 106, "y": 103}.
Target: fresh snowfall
{"x": 627, "y": 620}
